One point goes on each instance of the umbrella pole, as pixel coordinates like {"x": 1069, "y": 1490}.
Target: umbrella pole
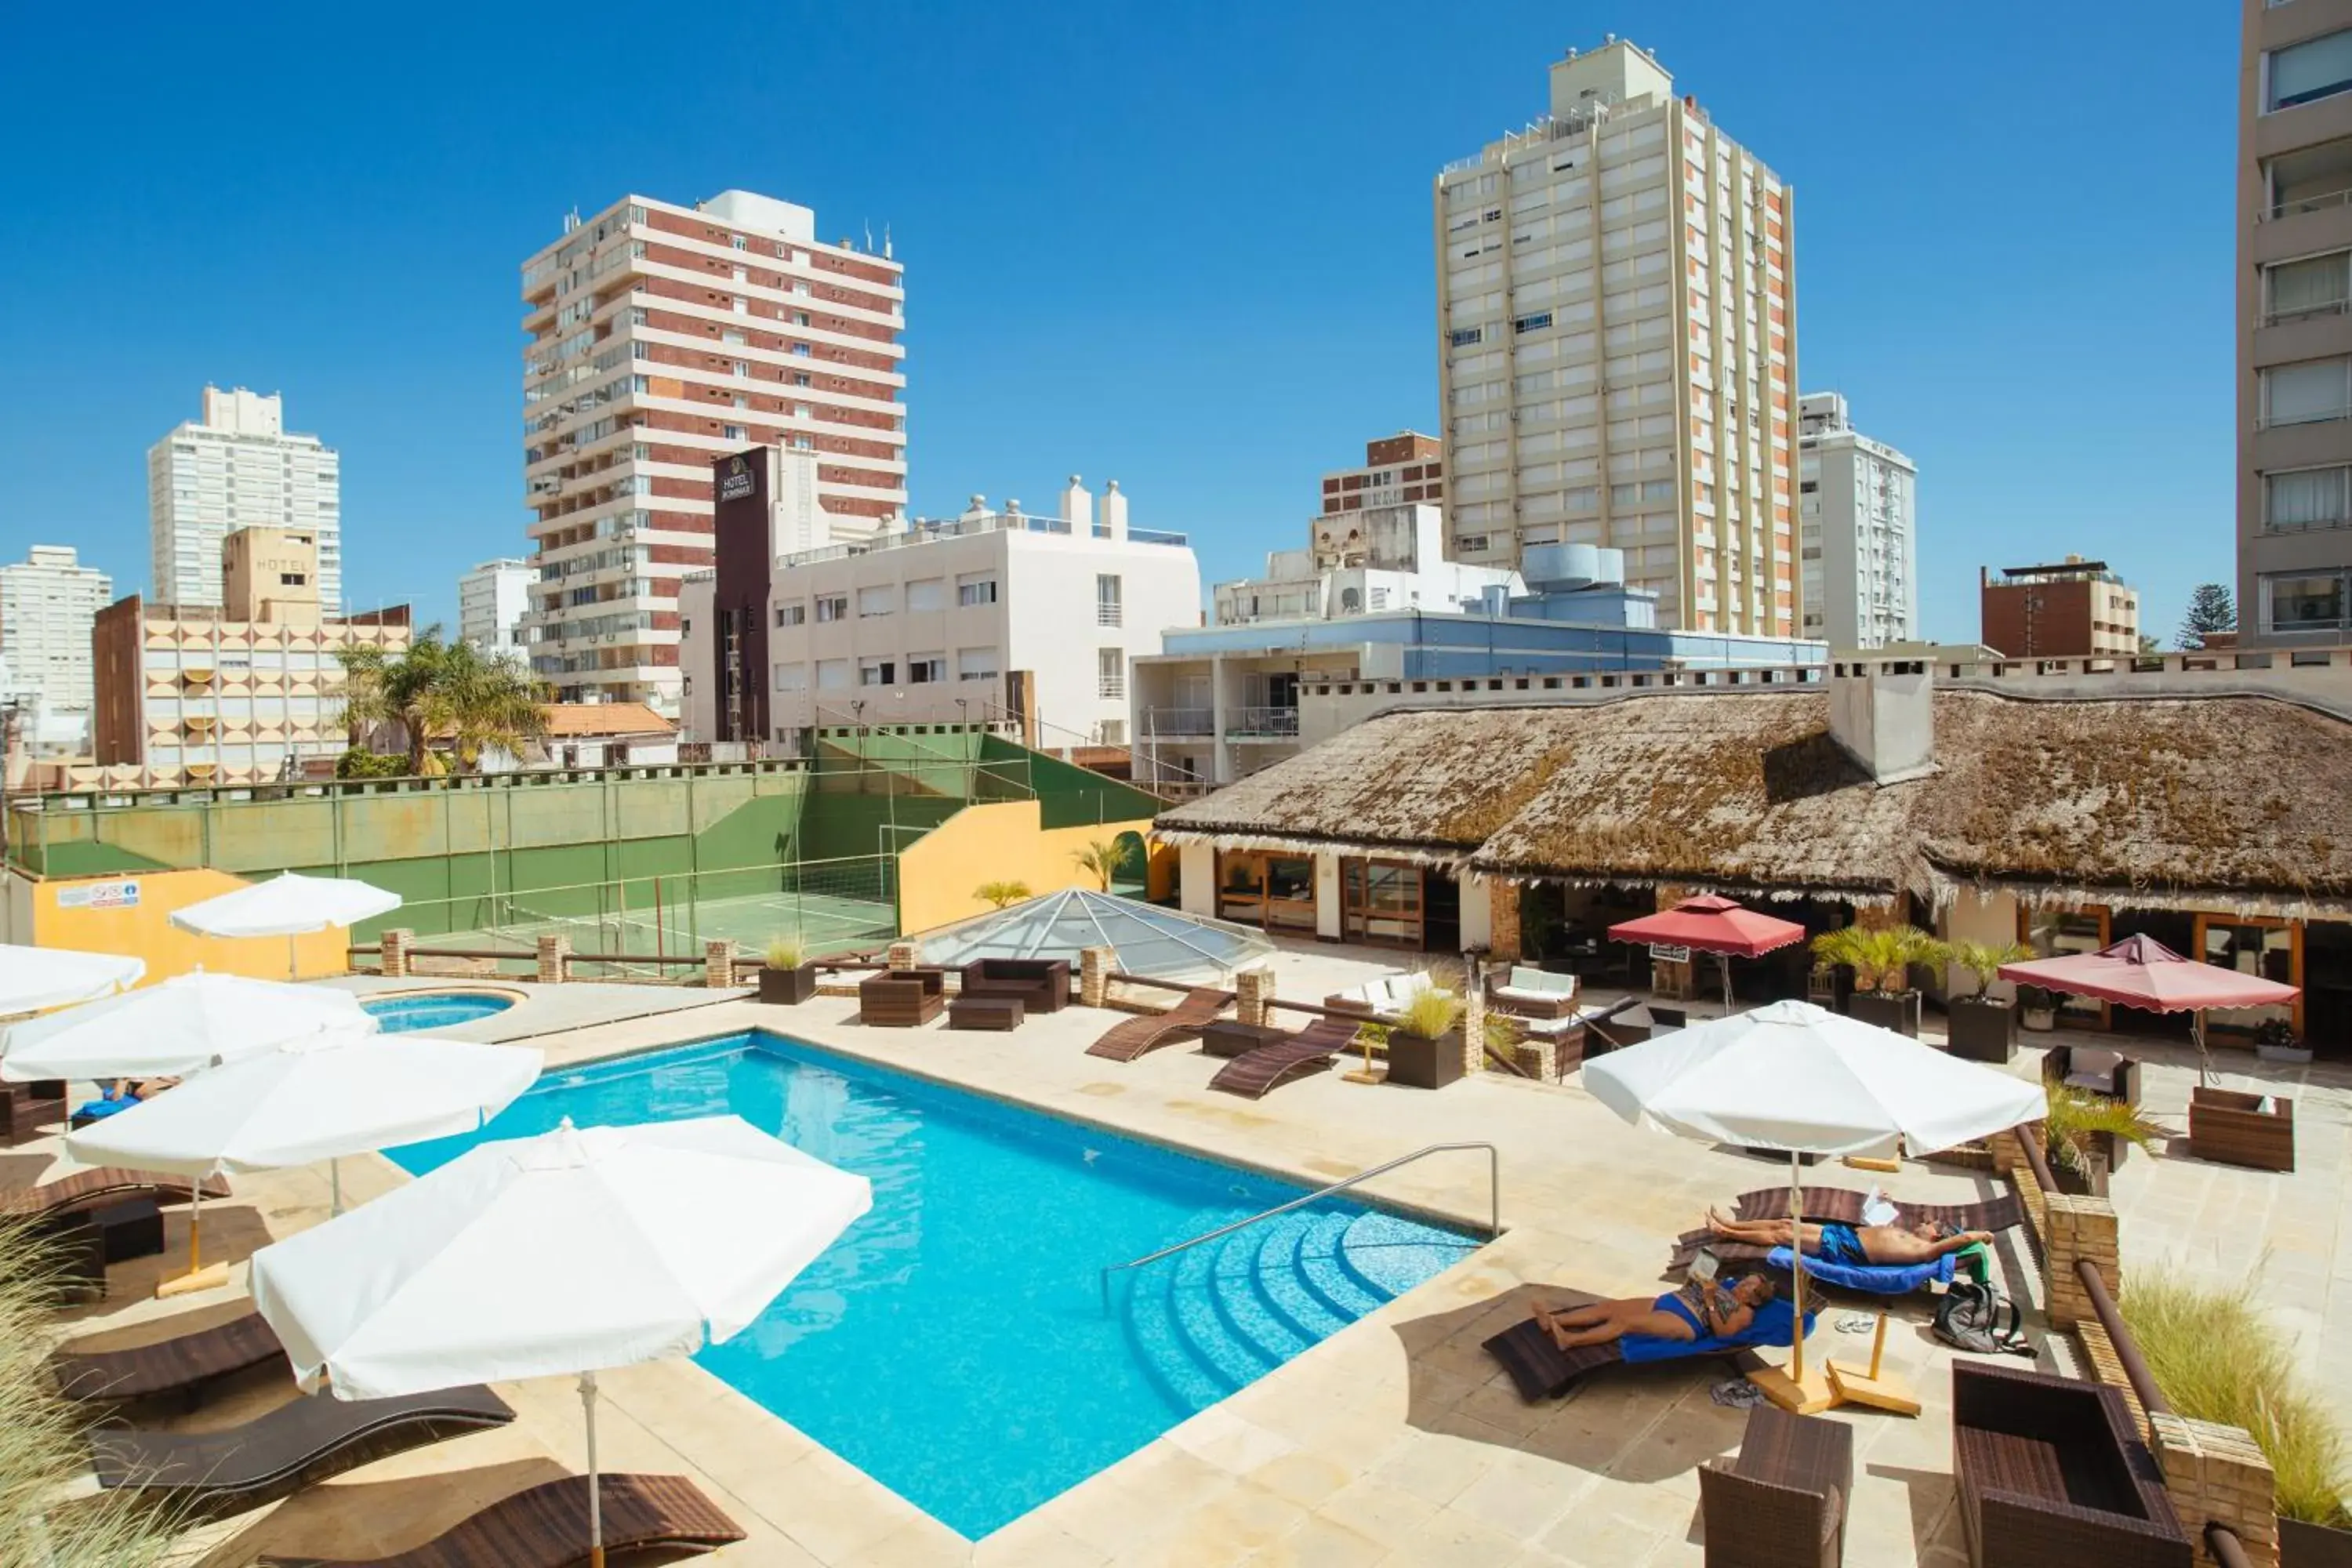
{"x": 2204, "y": 1062}
{"x": 335, "y": 1181}
{"x": 290, "y": 967}
{"x": 1796, "y": 1260}
{"x": 1727, "y": 983}
{"x": 595, "y": 1509}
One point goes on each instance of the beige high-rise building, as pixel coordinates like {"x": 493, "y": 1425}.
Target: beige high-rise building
{"x": 1616, "y": 302}
{"x": 236, "y": 467}
{"x": 2295, "y": 322}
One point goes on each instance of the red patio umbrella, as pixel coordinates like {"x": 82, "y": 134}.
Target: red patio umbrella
{"x": 1712, "y": 924}
{"x": 2141, "y": 971}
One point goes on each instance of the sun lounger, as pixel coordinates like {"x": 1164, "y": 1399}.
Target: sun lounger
{"x": 546, "y": 1527}
{"x": 1252, "y": 1073}
{"x": 1131, "y": 1037}
{"x": 209, "y": 1475}
{"x": 1842, "y": 1205}
{"x": 85, "y": 1187}
{"x": 181, "y": 1364}
{"x": 1541, "y": 1370}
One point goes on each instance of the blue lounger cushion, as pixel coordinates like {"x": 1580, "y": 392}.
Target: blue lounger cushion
{"x": 1877, "y": 1278}
{"x": 1772, "y": 1323}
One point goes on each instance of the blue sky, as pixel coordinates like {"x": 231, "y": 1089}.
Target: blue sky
{"x": 1184, "y": 247}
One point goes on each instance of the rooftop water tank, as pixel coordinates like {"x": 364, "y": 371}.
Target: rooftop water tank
{"x": 1563, "y": 568}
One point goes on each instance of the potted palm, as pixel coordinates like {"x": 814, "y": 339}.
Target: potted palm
{"x": 1000, "y": 893}
{"x": 787, "y": 975}
{"x": 1425, "y": 1040}
{"x": 2086, "y": 1135}
{"x": 1982, "y": 1025}
{"x": 1880, "y": 958}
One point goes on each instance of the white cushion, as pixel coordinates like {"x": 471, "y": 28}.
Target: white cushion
{"x": 1540, "y": 983}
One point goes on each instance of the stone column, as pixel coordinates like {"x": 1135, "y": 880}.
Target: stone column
{"x": 718, "y": 962}
{"x": 2217, "y": 1474}
{"x": 1503, "y": 920}
{"x": 2077, "y": 1228}
{"x": 555, "y": 952}
{"x": 1252, "y": 989}
{"x": 396, "y": 943}
{"x": 2008, "y": 1153}
{"x": 1094, "y": 976}
{"x": 1473, "y": 1015}
{"x": 900, "y": 955}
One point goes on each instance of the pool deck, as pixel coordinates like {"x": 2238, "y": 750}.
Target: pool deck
{"x": 1395, "y": 1441}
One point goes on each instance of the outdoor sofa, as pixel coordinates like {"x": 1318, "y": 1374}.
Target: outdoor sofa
{"x": 1780, "y": 1502}
{"x": 1388, "y": 993}
{"x": 1532, "y": 993}
{"x": 2052, "y": 1474}
{"x": 1040, "y": 985}
{"x": 2240, "y": 1129}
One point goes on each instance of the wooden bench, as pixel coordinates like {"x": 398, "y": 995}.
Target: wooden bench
{"x": 1002, "y": 1013}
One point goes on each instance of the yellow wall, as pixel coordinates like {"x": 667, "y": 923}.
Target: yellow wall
{"x": 1003, "y": 841}
{"x": 145, "y": 930}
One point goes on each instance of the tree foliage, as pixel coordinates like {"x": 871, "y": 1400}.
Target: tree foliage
{"x": 2211, "y": 608}
{"x": 440, "y": 690}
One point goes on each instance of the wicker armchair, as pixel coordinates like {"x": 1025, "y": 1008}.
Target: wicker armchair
{"x": 902, "y": 998}
{"x": 2096, "y": 1069}
{"x": 2052, "y": 1474}
{"x": 1780, "y": 1502}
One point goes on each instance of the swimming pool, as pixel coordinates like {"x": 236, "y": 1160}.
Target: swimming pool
{"x": 953, "y": 1343}
{"x": 434, "y": 1009}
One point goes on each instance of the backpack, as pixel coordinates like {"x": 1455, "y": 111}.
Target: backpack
{"x": 1974, "y": 1318}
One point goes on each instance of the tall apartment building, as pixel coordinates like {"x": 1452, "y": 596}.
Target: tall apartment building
{"x": 2068, "y": 609}
{"x": 2294, "y": 335}
{"x": 1400, "y": 470}
{"x": 661, "y": 338}
{"x": 237, "y": 468}
{"x": 242, "y": 691}
{"x": 46, "y": 603}
{"x": 1616, "y": 304}
{"x": 1857, "y": 530}
{"x": 491, "y": 600}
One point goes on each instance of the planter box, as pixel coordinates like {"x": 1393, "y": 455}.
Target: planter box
{"x": 1980, "y": 1029}
{"x": 1416, "y": 1061}
{"x": 1896, "y": 1010}
{"x": 2089, "y": 1183}
{"x": 787, "y": 988}
{"x": 2302, "y": 1545}
{"x": 2232, "y": 1127}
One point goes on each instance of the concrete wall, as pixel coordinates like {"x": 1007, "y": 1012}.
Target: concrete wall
{"x": 1004, "y": 841}
{"x": 1197, "y": 880}
{"x": 1989, "y": 917}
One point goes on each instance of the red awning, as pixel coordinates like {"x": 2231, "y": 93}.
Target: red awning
{"x": 2141, "y": 971}
{"x": 1711, "y": 924}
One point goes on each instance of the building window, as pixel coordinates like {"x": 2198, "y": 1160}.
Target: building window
{"x": 978, "y": 591}
{"x": 2318, "y": 284}
{"x": 792, "y": 678}
{"x": 1464, "y": 337}
{"x": 924, "y": 669}
{"x": 2305, "y": 499}
{"x": 731, "y": 432}
{"x": 2316, "y": 69}
{"x": 2304, "y": 604}
{"x": 1471, "y": 544}
{"x": 832, "y": 674}
{"x": 793, "y": 615}
{"x": 832, "y": 607}
{"x": 1111, "y": 674}
{"x": 925, "y": 595}
{"x": 877, "y": 672}
{"x": 1534, "y": 323}
{"x": 976, "y": 664}
{"x": 1106, "y": 600}
{"x": 2313, "y": 389}
{"x": 873, "y": 603}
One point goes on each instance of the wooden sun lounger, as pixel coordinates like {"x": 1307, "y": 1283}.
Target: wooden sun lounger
{"x": 181, "y": 1364}
{"x": 209, "y": 1475}
{"x": 1131, "y": 1037}
{"x": 1254, "y": 1072}
{"x": 546, "y": 1527}
{"x": 1842, "y": 1205}
{"x": 1541, "y": 1370}
{"x": 84, "y": 1188}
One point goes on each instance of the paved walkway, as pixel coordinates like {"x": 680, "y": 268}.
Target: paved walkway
{"x": 1397, "y": 1440}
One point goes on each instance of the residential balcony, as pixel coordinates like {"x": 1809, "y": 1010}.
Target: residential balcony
{"x": 1186, "y": 721}
{"x": 1272, "y": 724}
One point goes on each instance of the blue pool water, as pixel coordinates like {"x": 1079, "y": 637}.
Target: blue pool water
{"x": 434, "y": 1009}
{"x": 953, "y": 1343}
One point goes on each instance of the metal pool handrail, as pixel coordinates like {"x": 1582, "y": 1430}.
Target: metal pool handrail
{"x": 1493, "y": 1207}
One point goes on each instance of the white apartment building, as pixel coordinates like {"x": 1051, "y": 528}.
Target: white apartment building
{"x": 237, "y": 468}
{"x": 1857, "y": 530}
{"x": 48, "y": 602}
{"x": 1617, "y": 346}
{"x": 662, "y": 336}
{"x": 999, "y": 617}
{"x": 491, "y": 599}
{"x": 1357, "y": 562}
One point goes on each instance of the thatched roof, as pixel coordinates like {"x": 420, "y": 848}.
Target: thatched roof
{"x": 2208, "y": 803}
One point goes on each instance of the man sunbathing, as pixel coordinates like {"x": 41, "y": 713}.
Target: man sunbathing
{"x": 1897, "y": 1245}
{"x": 1701, "y": 1310}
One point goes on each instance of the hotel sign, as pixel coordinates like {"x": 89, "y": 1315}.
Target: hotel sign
{"x": 98, "y": 896}
{"x": 1667, "y": 953}
{"x": 736, "y": 480}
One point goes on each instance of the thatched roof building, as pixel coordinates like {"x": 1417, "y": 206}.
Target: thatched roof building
{"x": 2220, "y": 803}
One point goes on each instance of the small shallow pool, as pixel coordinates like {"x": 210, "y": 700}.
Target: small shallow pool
{"x": 434, "y": 1009}
{"x": 953, "y": 1344}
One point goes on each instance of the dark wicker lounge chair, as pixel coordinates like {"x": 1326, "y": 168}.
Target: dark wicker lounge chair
{"x": 546, "y": 1527}
{"x": 84, "y": 1188}
{"x": 902, "y": 998}
{"x": 1039, "y": 985}
{"x": 2093, "y": 1068}
{"x": 1541, "y": 1370}
{"x": 1781, "y": 1501}
{"x": 209, "y": 1475}
{"x": 181, "y": 1364}
{"x": 2052, "y": 1474}
{"x": 1252, "y": 1073}
{"x": 1131, "y": 1037}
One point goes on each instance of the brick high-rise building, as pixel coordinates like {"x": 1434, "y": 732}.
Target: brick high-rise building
{"x": 1616, "y": 302}
{"x": 1399, "y": 470}
{"x": 662, "y": 336}
{"x": 2068, "y": 609}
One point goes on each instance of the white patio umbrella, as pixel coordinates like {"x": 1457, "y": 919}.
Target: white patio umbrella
{"x": 176, "y": 1027}
{"x": 35, "y": 978}
{"x": 288, "y": 905}
{"x": 1797, "y": 1077}
{"x": 576, "y": 1250}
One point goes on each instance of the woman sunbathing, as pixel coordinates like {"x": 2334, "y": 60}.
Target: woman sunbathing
{"x": 1701, "y": 1310}
{"x": 1890, "y": 1244}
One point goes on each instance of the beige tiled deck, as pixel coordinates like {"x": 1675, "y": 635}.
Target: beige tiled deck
{"x": 1396, "y": 1441}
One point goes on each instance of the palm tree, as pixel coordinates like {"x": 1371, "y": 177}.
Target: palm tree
{"x": 1001, "y": 893}
{"x": 442, "y": 689}
{"x": 1880, "y": 956}
{"x": 1099, "y": 860}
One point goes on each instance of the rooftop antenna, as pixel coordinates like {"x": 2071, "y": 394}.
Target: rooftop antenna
{"x": 869, "y": 235}
{"x": 886, "y": 242}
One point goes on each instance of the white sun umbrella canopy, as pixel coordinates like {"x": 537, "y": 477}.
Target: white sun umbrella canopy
{"x": 181, "y": 1025}
{"x": 577, "y": 1251}
{"x": 33, "y": 979}
{"x": 288, "y": 905}
{"x": 314, "y": 1099}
